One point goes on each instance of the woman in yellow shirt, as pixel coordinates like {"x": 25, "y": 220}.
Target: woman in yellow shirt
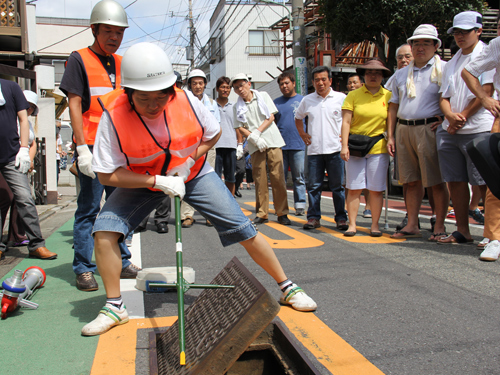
{"x": 364, "y": 112}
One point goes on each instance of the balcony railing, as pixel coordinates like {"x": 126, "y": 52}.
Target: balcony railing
{"x": 264, "y": 50}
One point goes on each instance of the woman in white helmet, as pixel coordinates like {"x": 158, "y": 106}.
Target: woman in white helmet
{"x": 152, "y": 141}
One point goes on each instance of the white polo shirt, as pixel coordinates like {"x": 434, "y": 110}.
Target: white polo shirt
{"x": 325, "y": 121}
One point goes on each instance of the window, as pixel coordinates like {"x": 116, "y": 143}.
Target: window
{"x": 263, "y": 42}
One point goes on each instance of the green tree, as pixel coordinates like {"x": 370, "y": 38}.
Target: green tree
{"x": 352, "y": 21}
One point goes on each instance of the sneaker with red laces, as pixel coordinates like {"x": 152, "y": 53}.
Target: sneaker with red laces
{"x": 311, "y": 224}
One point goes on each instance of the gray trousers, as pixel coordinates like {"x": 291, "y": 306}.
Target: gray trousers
{"x": 20, "y": 186}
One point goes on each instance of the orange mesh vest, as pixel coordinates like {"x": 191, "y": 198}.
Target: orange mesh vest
{"x": 99, "y": 84}
{"x": 143, "y": 152}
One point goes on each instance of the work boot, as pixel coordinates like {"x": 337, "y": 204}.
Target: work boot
{"x": 86, "y": 282}
{"x": 108, "y": 317}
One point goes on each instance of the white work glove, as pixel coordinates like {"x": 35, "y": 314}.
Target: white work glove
{"x": 254, "y": 137}
{"x": 239, "y": 152}
{"x": 261, "y": 144}
{"x": 173, "y": 186}
{"x": 183, "y": 170}
{"x": 23, "y": 161}
{"x": 84, "y": 160}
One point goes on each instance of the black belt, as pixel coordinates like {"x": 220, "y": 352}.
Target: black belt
{"x": 423, "y": 121}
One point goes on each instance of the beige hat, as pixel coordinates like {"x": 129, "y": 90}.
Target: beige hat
{"x": 237, "y": 77}
{"x": 376, "y": 65}
{"x": 425, "y": 31}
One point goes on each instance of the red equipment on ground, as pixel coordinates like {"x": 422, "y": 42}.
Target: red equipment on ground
{"x": 19, "y": 288}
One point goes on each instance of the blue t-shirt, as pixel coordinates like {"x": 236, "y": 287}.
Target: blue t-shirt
{"x": 9, "y": 136}
{"x": 285, "y": 119}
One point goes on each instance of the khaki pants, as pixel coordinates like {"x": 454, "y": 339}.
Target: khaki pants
{"x": 491, "y": 217}
{"x": 273, "y": 158}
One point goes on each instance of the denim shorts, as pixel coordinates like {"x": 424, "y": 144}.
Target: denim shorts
{"x": 126, "y": 208}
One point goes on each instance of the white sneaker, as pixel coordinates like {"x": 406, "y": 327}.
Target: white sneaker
{"x": 485, "y": 241}
{"x": 491, "y": 251}
{"x": 108, "y": 317}
{"x": 298, "y": 299}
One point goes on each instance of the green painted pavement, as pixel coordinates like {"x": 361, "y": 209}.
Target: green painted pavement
{"x": 48, "y": 340}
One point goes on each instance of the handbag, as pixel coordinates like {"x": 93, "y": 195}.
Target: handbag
{"x": 360, "y": 145}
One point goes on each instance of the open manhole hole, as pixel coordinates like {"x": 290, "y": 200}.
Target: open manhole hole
{"x": 229, "y": 331}
{"x": 273, "y": 352}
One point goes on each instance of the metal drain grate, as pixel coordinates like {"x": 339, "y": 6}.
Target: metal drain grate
{"x": 220, "y": 324}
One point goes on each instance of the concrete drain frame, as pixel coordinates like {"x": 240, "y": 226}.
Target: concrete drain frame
{"x": 273, "y": 352}
{"x": 221, "y": 327}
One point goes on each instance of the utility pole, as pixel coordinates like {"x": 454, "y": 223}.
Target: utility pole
{"x": 190, "y": 49}
{"x": 299, "y": 46}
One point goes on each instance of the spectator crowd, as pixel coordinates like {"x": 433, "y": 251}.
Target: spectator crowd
{"x": 423, "y": 116}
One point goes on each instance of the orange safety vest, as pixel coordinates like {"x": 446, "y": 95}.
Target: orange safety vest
{"x": 99, "y": 84}
{"x": 143, "y": 152}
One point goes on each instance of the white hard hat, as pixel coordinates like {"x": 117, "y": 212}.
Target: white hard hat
{"x": 109, "y": 12}
{"x": 32, "y": 98}
{"x": 146, "y": 67}
{"x": 196, "y": 73}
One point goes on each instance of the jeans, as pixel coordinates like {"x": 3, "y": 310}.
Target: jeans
{"x": 126, "y": 208}
{"x": 334, "y": 166}
{"x": 162, "y": 213}
{"x": 225, "y": 160}
{"x": 20, "y": 186}
{"x": 88, "y": 207}
{"x": 295, "y": 159}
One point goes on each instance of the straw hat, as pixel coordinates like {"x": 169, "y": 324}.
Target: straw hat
{"x": 374, "y": 65}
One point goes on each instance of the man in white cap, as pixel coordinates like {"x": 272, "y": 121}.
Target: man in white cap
{"x": 415, "y": 106}
{"x": 91, "y": 72}
{"x": 465, "y": 119}
{"x": 489, "y": 59}
{"x": 254, "y": 118}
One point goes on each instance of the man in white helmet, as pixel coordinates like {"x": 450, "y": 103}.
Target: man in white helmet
{"x": 90, "y": 73}
{"x": 197, "y": 82}
{"x": 152, "y": 140}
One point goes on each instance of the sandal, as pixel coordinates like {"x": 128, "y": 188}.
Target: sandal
{"x": 435, "y": 237}
{"x": 455, "y": 238}
{"x": 405, "y": 234}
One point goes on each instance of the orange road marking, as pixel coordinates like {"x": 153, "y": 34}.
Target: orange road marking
{"x": 116, "y": 350}
{"x": 386, "y": 238}
{"x": 330, "y": 349}
{"x": 307, "y": 240}
{"x": 299, "y": 240}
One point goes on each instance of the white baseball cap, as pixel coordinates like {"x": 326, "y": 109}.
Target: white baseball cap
{"x": 467, "y": 21}
{"x": 237, "y": 77}
{"x": 425, "y": 31}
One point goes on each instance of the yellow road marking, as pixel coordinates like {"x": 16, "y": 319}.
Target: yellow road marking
{"x": 116, "y": 350}
{"x": 304, "y": 241}
{"x": 299, "y": 240}
{"x": 330, "y": 349}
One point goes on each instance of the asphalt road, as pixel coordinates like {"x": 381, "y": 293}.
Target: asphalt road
{"x": 410, "y": 307}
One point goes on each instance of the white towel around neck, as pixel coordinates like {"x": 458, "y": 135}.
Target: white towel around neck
{"x": 242, "y": 108}
{"x": 436, "y": 76}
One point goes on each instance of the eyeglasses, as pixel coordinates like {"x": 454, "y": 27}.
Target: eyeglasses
{"x": 407, "y": 56}
{"x": 457, "y": 32}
